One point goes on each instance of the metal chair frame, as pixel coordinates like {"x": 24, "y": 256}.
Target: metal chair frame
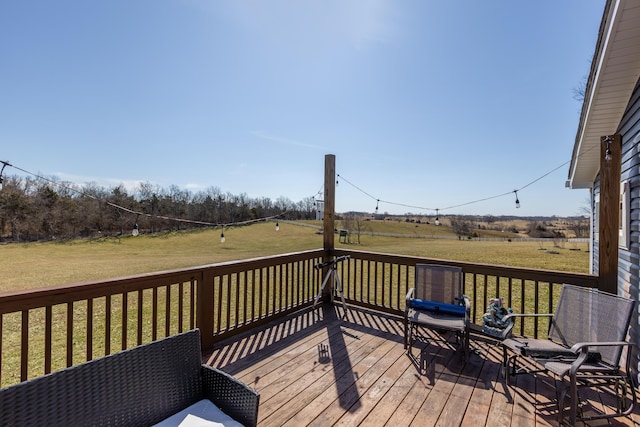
{"x": 439, "y": 284}
{"x": 587, "y": 336}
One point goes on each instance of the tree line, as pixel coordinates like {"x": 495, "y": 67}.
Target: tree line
{"x": 33, "y": 209}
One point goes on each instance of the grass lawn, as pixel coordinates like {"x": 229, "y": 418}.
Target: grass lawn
{"x": 36, "y": 265}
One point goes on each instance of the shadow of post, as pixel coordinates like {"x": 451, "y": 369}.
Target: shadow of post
{"x": 344, "y": 375}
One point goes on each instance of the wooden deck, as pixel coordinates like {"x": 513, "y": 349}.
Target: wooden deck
{"x": 316, "y": 369}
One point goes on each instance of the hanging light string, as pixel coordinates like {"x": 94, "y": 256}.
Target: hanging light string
{"x": 188, "y": 221}
{"x": 137, "y": 213}
{"x": 318, "y": 195}
{"x": 378, "y": 200}
{"x": 4, "y": 165}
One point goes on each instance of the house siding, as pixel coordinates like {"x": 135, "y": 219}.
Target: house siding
{"x": 628, "y": 258}
{"x": 595, "y": 248}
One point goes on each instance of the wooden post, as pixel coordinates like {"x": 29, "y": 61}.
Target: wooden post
{"x": 204, "y": 308}
{"x": 609, "y": 213}
{"x": 329, "y": 203}
{"x": 329, "y": 214}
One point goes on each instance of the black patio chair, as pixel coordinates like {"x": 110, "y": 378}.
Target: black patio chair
{"x": 587, "y": 336}
{"x": 436, "y": 302}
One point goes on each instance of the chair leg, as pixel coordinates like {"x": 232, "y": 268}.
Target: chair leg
{"x": 505, "y": 365}
{"x": 405, "y": 332}
{"x": 561, "y": 394}
{"x": 573, "y": 395}
{"x": 466, "y": 345}
{"x": 409, "y": 338}
{"x": 627, "y": 385}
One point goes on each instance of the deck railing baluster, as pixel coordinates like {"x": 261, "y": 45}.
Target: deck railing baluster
{"x": 48, "y": 325}
{"x": 140, "y": 318}
{"x": 229, "y": 298}
{"x": 107, "y": 325}
{"x": 24, "y": 360}
{"x": 90, "y": 329}
{"x": 69, "y": 334}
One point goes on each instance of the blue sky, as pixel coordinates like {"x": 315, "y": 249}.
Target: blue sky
{"x": 428, "y": 104}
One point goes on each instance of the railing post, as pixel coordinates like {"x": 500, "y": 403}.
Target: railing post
{"x": 610, "y": 168}
{"x": 329, "y": 210}
{"x": 204, "y": 308}
{"x": 329, "y": 203}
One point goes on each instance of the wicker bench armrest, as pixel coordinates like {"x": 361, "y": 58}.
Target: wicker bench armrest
{"x": 234, "y": 397}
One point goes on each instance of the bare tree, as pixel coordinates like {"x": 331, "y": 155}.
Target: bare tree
{"x": 461, "y": 226}
{"x": 355, "y": 224}
{"x": 579, "y": 226}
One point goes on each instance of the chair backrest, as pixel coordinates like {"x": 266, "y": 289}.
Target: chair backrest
{"x": 590, "y": 315}
{"x": 438, "y": 283}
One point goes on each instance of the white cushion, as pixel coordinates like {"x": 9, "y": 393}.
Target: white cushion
{"x": 201, "y": 414}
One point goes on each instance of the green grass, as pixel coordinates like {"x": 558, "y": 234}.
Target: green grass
{"x": 35, "y": 265}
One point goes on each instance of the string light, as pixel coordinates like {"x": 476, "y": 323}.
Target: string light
{"x": 4, "y": 165}
{"x": 135, "y": 231}
{"x": 437, "y": 221}
{"x": 517, "y": 201}
{"x": 467, "y": 203}
{"x": 277, "y": 226}
{"x": 607, "y": 152}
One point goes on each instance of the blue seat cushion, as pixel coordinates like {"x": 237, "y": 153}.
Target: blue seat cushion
{"x": 438, "y": 307}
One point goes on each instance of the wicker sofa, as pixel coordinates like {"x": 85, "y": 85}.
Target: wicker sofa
{"x": 136, "y": 387}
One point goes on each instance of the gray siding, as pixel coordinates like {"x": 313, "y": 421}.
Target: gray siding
{"x": 595, "y": 249}
{"x": 629, "y": 259}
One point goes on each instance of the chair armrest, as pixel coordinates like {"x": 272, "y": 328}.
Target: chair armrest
{"x": 584, "y": 346}
{"x": 408, "y": 301}
{"x": 582, "y": 350}
{"x": 234, "y": 397}
{"x": 467, "y": 308}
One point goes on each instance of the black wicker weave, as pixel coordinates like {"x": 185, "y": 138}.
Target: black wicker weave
{"x": 136, "y": 387}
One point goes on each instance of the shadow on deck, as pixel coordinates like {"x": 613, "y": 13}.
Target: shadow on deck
{"x": 313, "y": 368}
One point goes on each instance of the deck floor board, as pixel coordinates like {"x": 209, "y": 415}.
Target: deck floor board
{"x": 316, "y": 369}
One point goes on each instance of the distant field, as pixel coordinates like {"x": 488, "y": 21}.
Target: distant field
{"x": 37, "y": 265}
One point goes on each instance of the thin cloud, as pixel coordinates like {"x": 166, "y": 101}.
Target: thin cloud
{"x": 367, "y": 22}
{"x": 131, "y": 185}
{"x": 360, "y": 23}
{"x": 285, "y": 141}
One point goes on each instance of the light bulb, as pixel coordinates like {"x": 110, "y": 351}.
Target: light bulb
{"x": 277, "y": 226}
{"x": 222, "y": 239}
{"x": 135, "y": 230}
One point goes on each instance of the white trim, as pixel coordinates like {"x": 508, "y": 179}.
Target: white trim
{"x": 604, "y": 54}
{"x": 624, "y": 240}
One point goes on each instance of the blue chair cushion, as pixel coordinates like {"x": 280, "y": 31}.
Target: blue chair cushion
{"x": 438, "y": 307}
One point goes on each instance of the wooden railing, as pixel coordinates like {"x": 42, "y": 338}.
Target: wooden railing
{"x": 381, "y": 282}
{"x": 48, "y": 329}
